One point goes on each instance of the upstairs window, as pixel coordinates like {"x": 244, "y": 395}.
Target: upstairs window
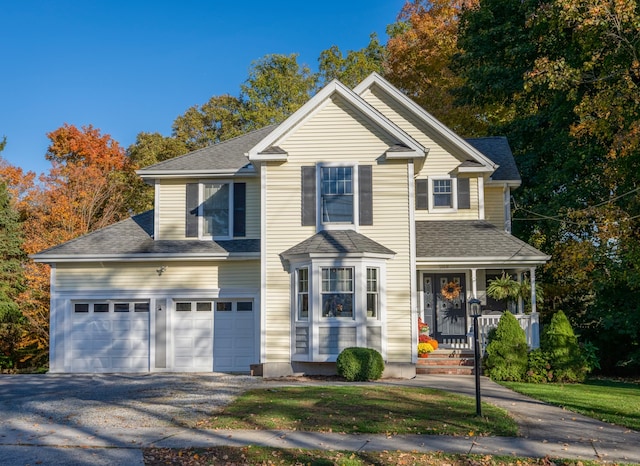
{"x": 336, "y": 190}
{"x": 215, "y": 209}
{"x": 442, "y": 194}
{"x": 337, "y": 196}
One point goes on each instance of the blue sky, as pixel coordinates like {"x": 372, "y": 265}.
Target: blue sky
{"x": 126, "y": 66}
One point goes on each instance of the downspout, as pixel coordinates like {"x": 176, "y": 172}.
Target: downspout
{"x": 413, "y": 282}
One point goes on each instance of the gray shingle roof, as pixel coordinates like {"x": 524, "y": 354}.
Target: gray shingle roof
{"x": 470, "y": 239}
{"x": 338, "y": 242}
{"x": 498, "y": 150}
{"x": 225, "y": 156}
{"x": 134, "y": 237}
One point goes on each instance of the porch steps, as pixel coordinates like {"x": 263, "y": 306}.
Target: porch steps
{"x": 446, "y": 361}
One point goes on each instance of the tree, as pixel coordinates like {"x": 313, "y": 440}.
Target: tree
{"x": 222, "y": 117}
{"x": 562, "y": 77}
{"x": 354, "y": 67}
{"x": 420, "y": 52}
{"x": 276, "y": 87}
{"x": 11, "y": 279}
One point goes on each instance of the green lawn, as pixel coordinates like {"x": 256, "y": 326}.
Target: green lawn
{"x": 362, "y": 409}
{"x": 606, "y": 400}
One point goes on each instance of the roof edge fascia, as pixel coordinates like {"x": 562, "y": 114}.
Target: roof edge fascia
{"x": 334, "y": 87}
{"x": 482, "y": 261}
{"x": 422, "y": 114}
{"x": 351, "y": 255}
{"x": 195, "y": 173}
{"x": 63, "y": 258}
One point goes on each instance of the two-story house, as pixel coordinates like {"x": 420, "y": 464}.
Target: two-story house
{"x": 276, "y": 250}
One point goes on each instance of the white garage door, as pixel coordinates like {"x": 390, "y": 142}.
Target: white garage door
{"x": 109, "y": 336}
{"x": 192, "y": 324}
{"x": 234, "y": 339}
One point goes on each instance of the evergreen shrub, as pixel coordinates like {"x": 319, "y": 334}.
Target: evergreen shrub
{"x": 506, "y": 355}
{"x": 360, "y": 364}
{"x": 560, "y": 345}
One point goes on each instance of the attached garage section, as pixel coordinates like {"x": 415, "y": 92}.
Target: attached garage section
{"x": 109, "y": 336}
{"x": 216, "y": 335}
{"x": 234, "y": 340}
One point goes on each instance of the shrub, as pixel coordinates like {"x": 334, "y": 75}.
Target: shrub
{"x": 561, "y": 347}
{"x": 539, "y": 370}
{"x": 360, "y": 364}
{"x": 506, "y": 355}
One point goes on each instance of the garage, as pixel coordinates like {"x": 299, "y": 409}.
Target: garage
{"x": 109, "y": 336}
{"x": 192, "y": 336}
{"x": 234, "y": 338}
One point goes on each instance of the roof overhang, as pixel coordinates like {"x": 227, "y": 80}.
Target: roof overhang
{"x": 481, "y": 262}
{"x": 426, "y": 117}
{"x": 68, "y": 258}
{"x": 264, "y": 150}
{"x": 249, "y": 170}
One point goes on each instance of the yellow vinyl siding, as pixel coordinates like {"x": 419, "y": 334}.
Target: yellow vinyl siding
{"x": 144, "y": 276}
{"x": 494, "y": 206}
{"x": 337, "y": 134}
{"x": 172, "y": 204}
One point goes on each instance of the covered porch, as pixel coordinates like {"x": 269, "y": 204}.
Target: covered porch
{"x": 455, "y": 263}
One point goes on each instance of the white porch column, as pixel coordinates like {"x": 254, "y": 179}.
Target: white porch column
{"x": 532, "y": 272}
{"x": 474, "y": 283}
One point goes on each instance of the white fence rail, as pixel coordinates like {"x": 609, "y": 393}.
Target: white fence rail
{"x": 530, "y": 323}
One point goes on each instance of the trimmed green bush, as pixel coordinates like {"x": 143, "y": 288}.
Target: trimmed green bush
{"x": 360, "y": 364}
{"x": 539, "y": 370}
{"x": 561, "y": 347}
{"x": 506, "y": 355}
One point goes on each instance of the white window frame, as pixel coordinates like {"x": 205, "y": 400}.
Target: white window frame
{"x": 358, "y": 321}
{"x": 319, "y": 199}
{"x": 454, "y": 194}
{"x": 201, "y": 217}
{"x": 300, "y": 293}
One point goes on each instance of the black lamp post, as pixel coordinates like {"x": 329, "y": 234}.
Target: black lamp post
{"x": 475, "y": 307}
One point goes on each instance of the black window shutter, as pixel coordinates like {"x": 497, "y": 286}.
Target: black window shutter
{"x": 365, "y": 192}
{"x": 191, "y": 214}
{"x": 422, "y": 194}
{"x": 464, "y": 194}
{"x": 239, "y": 209}
{"x": 308, "y": 196}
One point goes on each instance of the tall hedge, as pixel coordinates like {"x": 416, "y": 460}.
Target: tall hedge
{"x": 560, "y": 345}
{"x": 506, "y": 355}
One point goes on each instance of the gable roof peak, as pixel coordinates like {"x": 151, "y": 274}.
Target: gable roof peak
{"x": 375, "y": 80}
{"x": 261, "y": 150}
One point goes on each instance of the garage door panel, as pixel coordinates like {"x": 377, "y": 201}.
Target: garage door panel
{"x": 109, "y": 341}
{"x": 234, "y": 340}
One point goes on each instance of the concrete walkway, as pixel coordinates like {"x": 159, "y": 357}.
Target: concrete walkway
{"x": 546, "y": 431}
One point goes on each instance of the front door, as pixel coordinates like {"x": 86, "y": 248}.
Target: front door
{"x": 445, "y": 307}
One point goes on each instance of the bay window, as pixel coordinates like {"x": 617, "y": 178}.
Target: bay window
{"x": 337, "y": 292}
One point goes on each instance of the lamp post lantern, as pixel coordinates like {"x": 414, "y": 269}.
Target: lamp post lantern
{"x": 475, "y": 307}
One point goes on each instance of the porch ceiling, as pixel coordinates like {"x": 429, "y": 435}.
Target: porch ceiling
{"x": 466, "y": 243}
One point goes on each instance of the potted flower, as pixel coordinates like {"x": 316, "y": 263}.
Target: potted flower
{"x": 424, "y": 349}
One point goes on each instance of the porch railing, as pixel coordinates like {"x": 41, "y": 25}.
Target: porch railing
{"x": 530, "y": 323}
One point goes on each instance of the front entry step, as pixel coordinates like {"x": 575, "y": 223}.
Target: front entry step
{"x": 445, "y": 361}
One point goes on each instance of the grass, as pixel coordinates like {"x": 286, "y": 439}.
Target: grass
{"x": 362, "y": 409}
{"x": 275, "y": 456}
{"x": 607, "y": 400}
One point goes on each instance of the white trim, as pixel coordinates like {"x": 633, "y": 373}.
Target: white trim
{"x": 263, "y": 264}
{"x": 430, "y": 120}
{"x": 247, "y": 171}
{"x": 482, "y": 262}
{"x": 355, "y": 223}
{"x": 454, "y": 195}
{"x": 152, "y": 257}
{"x": 335, "y": 87}
{"x": 414, "y": 295}
{"x": 506, "y": 201}
{"x": 156, "y": 209}
{"x": 481, "y": 214}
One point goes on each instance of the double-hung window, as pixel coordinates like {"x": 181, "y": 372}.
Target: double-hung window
{"x": 337, "y": 292}
{"x": 336, "y": 191}
{"x": 303, "y": 293}
{"x": 215, "y": 209}
{"x": 442, "y": 193}
{"x": 372, "y": 292}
